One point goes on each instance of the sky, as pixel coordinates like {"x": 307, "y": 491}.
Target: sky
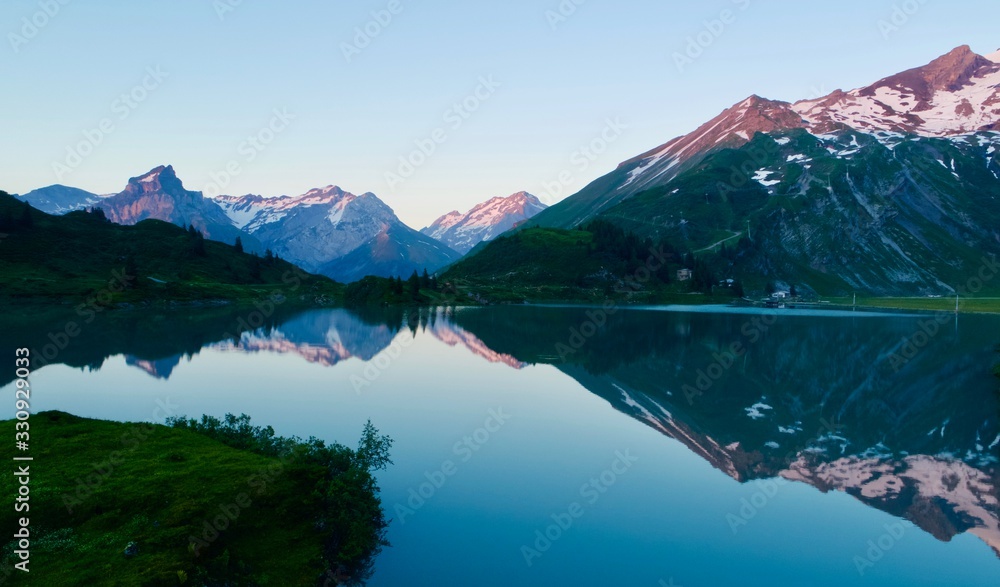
{"x": 433, "y": 106}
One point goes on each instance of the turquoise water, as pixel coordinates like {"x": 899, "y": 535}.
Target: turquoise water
{"x": 569, "y": 446}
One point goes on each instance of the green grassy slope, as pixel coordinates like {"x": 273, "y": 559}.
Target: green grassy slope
{"x": 198, "y": 510}
{"x": 80, "y": 255}
{"x": 834, "y": 214}
{"x": 845, "y": 213}
{"x": 595, "y": 263}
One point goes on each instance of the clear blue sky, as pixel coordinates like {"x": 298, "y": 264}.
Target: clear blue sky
{"x": 355, "y": 118}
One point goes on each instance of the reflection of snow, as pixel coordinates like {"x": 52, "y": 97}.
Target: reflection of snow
{"x": 963, "y": 493}
{"x": 277, "y": 343}
{"x": 452, "y": 335}
{"x": 755, "y": 412}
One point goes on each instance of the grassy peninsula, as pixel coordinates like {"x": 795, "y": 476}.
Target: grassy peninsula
{"x": 194, "y": 502}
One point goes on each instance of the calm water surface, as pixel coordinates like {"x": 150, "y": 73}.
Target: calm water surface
{"x": 559, "y": 446}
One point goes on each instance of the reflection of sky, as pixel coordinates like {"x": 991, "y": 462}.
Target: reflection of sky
{"x": 666, "y": 517}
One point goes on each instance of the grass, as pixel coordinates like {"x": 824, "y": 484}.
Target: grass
{"x": 532, "y": 257}
{"x": 591, "y": 265}
{"x": 97, "y": 486}
{"x": 81, "y": 256}
{"x": 985, "y": 305}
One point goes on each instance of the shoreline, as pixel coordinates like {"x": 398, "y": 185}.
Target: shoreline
{"x": 985, "y": 306}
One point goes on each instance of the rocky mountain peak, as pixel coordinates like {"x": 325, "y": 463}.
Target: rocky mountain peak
{"x": 954, "y": 69}
{"x": 956, "y": 93}
{"x": 162, "y": 178}
{"x": 485, "y": 221}
{"x": 736, "y": 124}
{"x": 949, "y": 73}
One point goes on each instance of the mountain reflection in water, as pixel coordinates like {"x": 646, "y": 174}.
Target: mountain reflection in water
{"x": 818, "y": 399}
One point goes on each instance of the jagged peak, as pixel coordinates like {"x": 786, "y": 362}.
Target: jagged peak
{"x": 161, "y": 171}
{"x": 162, "y": 177}
{"x": 737, "y": 123}
{"x": 757, "y": 102}
{"x": 949, "y": 72}
{"x": 954, "y": 69}
{"x": 961, "y": 72}
{"x": 446, "y": 220}
{"x": 955, "y": 93}
{"x": 524, "y": 196}
{"x": 330, "y": 189}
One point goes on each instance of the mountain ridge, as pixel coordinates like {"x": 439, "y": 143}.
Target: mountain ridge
{"x": 330, "y": 231}
{"x": 485, "y": 221}
{"x": 316, "y": 230}
{"x": 850, "y": 192}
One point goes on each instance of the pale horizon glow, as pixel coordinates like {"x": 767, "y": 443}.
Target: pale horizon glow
{"x": 537, "y": 89}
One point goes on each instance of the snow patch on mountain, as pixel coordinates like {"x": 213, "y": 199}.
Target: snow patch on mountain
{"x": 60, "y": 199}
{"x": 957, "y": 93}
{"x": 761, "y": 177}
{"x": 484, "y": 222}
{"x": 951, "y": 485}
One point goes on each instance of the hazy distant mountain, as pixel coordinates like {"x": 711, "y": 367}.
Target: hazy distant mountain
{"x": 336, "y": 233}
{"x": 60, "y": 199}
{"x": 485, "y": 222}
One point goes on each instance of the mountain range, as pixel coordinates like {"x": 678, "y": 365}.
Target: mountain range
{"x": 326, "y": 230}
{"x": 888, "y": 189}
{"x": 891, "y": 189}
{"x": 484, "y": 222}
{"x": 336, "y": 233}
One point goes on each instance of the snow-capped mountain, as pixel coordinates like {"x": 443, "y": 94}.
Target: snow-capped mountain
{"x": 958, "y": 93}
{"x": 892, "y": 189}
{"x": 327, "y": 230}
{"x": 955, "y": 94}
{"x": 157, "y": 194}
{"x": 336, "y": 233}
{"x": 60, "y": 199}
{"x": 314, "y": 228}
{"x": 484, "y": 222}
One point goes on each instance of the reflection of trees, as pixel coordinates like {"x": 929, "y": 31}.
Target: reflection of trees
{"x": 146, "y": 334}
{"x": 558, "y": 335}
{"x": 809, "y": 369}
{"x": 913, "y": 442}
